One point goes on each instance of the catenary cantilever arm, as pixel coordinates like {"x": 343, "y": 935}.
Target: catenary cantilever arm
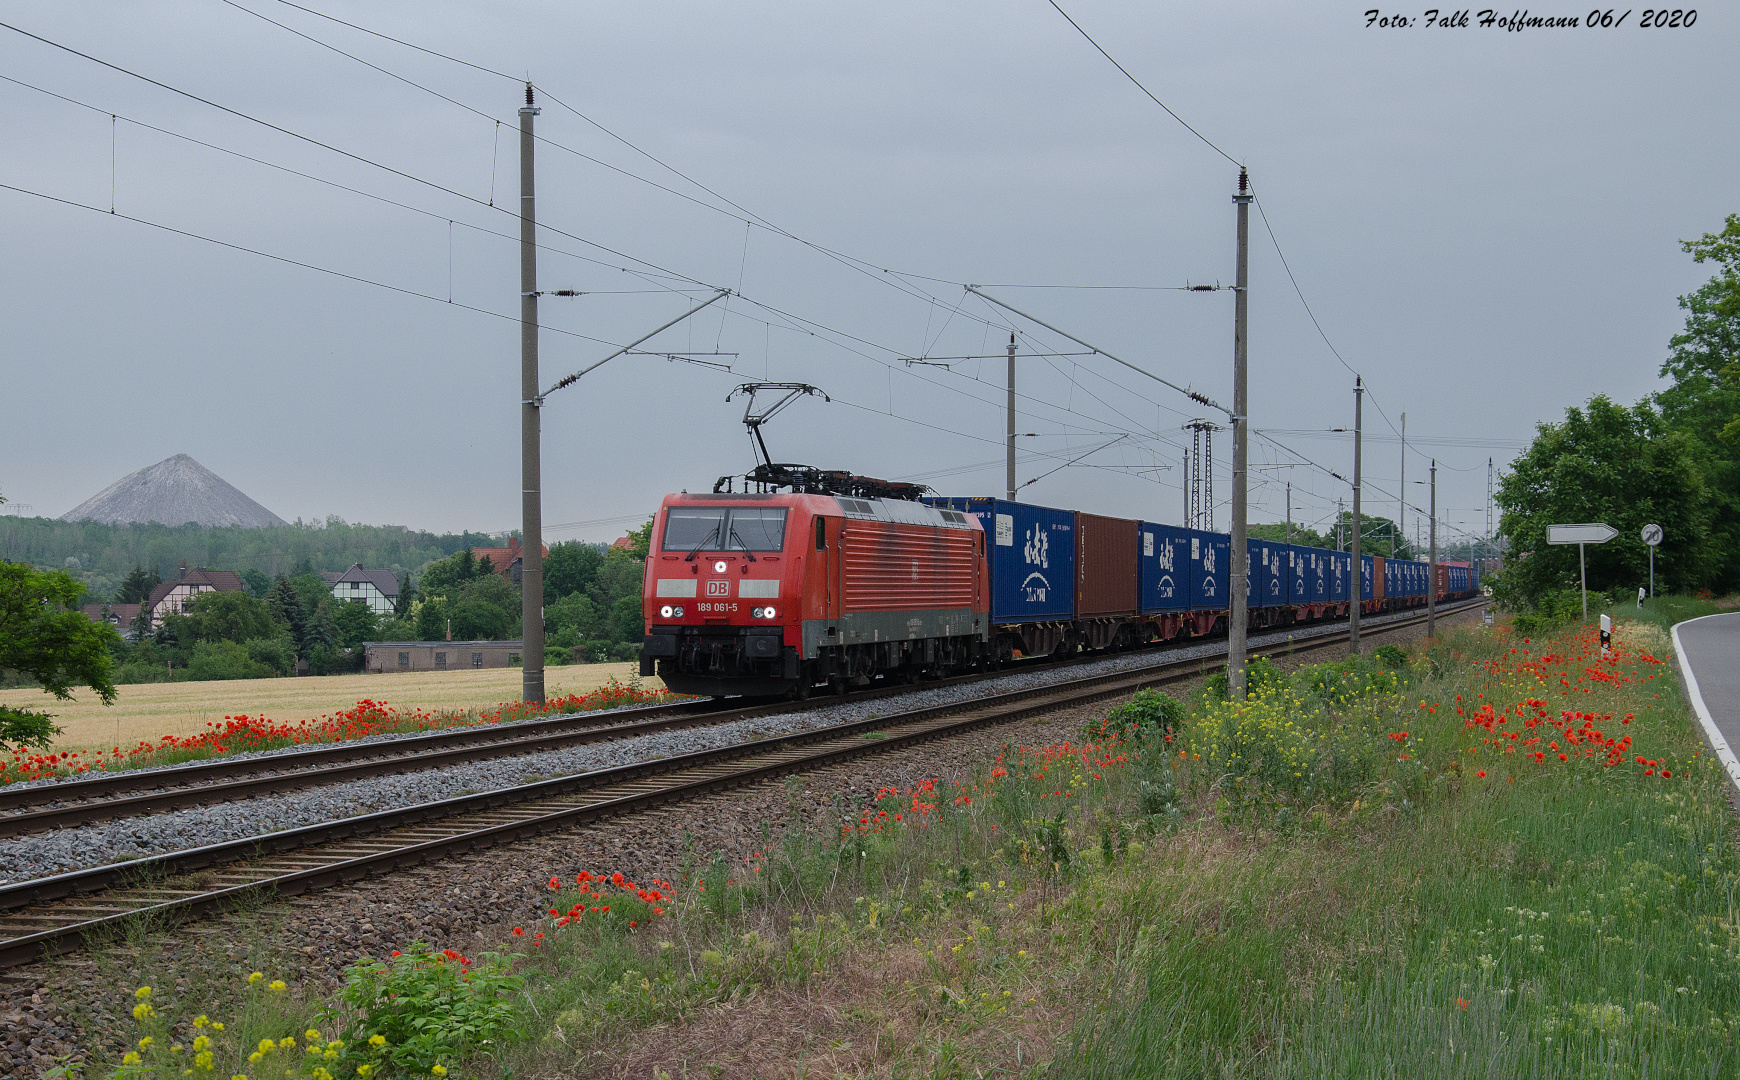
{"x": 1191, "y": 394}
{"x": 567, "y": 380}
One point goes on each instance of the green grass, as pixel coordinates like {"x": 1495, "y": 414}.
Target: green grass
{"x": 1663, "y": 611}
{"x": 1315, "y": 883}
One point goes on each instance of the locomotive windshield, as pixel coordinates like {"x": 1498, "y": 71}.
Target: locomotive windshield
{"x": 711, "y": 528}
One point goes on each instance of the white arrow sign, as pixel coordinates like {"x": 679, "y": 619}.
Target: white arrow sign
{"x": 1592, "y": 533}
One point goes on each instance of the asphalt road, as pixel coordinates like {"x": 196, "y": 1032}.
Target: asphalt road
{"x": 1710, "y": 650}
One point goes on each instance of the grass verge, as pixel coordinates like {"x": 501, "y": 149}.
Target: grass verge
{"x": 1489, "y": 857}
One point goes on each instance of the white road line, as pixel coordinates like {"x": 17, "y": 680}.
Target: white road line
{"x": 1723, "y": 753}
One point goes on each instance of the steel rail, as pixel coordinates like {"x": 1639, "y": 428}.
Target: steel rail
{"x": 105, "y": 797}
{"x": 619, "y": 790}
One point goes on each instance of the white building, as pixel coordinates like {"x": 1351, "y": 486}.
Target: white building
{"x": 377, "y": 588}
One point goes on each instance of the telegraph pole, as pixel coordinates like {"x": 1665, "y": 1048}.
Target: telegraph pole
{"x": 1402, "y": 492}
{"x": 1289, "y": 511}
{"x": 1009, "y": 464}
{"x": 1358, "y": 570}
{"x": 531, "y": 451}
{"x": 1432, "y": 557}
{"x": 1235, "y": 635}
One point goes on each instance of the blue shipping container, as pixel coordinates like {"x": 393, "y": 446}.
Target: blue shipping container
{"x": 1365, "y": 579}
{"x": 1296, "y": 588}
{"x": 1340, "y": 576}
{"x": 1267, "y": 573}
{"x": 1210, "y": 560}
{"x": 1032, "y": 559}
{"x": 1313, "y": 577}
{"x": 1165, "y": 560}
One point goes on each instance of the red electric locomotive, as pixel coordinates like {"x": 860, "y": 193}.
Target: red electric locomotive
{"x": 764, "y": 594}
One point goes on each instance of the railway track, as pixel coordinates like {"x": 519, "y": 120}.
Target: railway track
{"x": 63, "y": 913}
{"x": 133, "y": 793}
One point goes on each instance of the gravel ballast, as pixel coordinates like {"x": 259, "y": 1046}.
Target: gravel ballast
{"x": 45, "y": 854}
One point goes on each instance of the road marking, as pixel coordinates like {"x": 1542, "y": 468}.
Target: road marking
{"x": 1723, "y": 753}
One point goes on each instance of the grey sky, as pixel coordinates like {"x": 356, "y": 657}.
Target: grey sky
{"x": 1483, "y": 221}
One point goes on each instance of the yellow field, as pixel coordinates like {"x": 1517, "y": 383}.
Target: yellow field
{"x": 148, "y": 711}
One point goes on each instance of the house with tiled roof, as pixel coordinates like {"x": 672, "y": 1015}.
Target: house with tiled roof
{"x": 379, "y": 589}
{"x": 173, "y": 597}
{"x": 505, "y": 561}
{"x": 120, "y": 616}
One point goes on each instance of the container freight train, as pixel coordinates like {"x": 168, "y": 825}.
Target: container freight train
{"x": 767, "y": 594}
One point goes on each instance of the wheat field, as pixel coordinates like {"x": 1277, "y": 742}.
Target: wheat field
{"x": 148, "y": 711}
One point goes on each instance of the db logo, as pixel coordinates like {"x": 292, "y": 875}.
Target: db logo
{"x": 718, "y": 588}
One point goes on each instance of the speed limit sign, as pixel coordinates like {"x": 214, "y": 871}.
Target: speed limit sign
{"x": 1652, "y": 537}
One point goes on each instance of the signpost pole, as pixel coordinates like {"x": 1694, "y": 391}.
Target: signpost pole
{"x": 1583, "y": 576}
{"x": 1652, "y": 571}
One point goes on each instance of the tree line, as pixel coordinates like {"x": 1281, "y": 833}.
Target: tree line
{"x": 277, "y": 626}
{"x": 1671, "y": 459}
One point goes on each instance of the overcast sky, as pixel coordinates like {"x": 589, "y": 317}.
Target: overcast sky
{"x": 1483, "y": 221}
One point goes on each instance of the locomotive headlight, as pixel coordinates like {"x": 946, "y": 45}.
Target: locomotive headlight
{"x": 677, "y": 611}
{"x": 763, "y": 613}
{"x": 665, "y": 612}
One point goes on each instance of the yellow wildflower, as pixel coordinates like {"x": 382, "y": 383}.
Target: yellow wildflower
{"x": 364, "y": 1070}
{"x": 142, "y": 1010}
{"x": 146, "y": 1042}
{"x": 439, "y": 1070}
{"x": 311, "y": 1034}
{"x": 276, "y": 985}
{"x": 287, "y": 1043}
{"x": 142, "y": 993}
{"x": 256, "y": 977}
{"x": 200, "y": 1021}
{"x": 267, "y": 1046}
{"x": 201, "y": 1042}
{"x": 377, "y": 1040}
{"x": 130, "y": 1058}
{"x": 255, "y": 1058}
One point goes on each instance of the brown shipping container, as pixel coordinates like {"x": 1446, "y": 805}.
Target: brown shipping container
{"x": 1107, "y": 574}
{"x": 1377, "y": 577}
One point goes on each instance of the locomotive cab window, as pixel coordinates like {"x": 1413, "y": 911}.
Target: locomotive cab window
{"x": 739, "y": 528}
{"x": 821, "y": 534}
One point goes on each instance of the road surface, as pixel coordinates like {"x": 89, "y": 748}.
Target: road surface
{"x": 1709, "y": 654}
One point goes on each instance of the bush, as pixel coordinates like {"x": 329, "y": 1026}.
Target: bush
{"x": 23, "y": 728}
{"x": 276, "y": 653}
{"x": 1260, "y": 675}
{"x": 1391, "y": 656}
{"x": 417, "y": 1010}
{"x": 225, "y": 660}
{"x": 1148, "y": 710}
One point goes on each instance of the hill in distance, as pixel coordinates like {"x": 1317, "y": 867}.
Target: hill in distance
{"x": 174, "y": 491}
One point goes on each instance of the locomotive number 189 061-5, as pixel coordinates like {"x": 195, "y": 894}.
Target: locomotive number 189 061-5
{"x": 716, "y": 607}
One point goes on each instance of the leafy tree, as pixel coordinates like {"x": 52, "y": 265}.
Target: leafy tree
{"x": 221, "y": 616}
{"x": 226, "y": 660}
{"x": 1704, "y": 401}
{"x": 407, "y": 594}
{"x": 258, "y": 584}
{"x": 431, "y": 618}
{"x": 313, "y": 591}
{"x": 1301, "y": 535}
{"x": 45, "y": 638}
{"x": 355, "y": 623}
{"x": 574, "y": 613}
{"x": 479, "y": 620}
{"x": 571, "y": 568}
{"x": 1609, "y": 463}
{"x": 322, "y": 629}
{"x": 138, "y": 585}
{"x": 627, "y": 622}
{"x": 1377, "y": 536}
{"x": 285, "y": 605}
{"x": 444, "y": 578}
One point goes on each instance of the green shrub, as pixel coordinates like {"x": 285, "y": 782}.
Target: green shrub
{"x": 422, "y": 1008}
{"x": 1392, "y": 656}
{"x": 1148, "y": 710}
{"x": 1260, "y": 675}
{"x": 225, "y": 660}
